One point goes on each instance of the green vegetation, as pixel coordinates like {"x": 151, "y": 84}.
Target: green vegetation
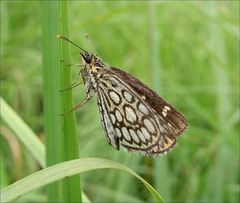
{"x": 188, "y": 52}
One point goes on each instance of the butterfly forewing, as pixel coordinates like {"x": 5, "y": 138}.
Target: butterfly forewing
{"x": 166, "y": 111}
{"x": 129, "y": 119}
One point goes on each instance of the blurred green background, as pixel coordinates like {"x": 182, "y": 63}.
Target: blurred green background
{"x": 187, "y": 51}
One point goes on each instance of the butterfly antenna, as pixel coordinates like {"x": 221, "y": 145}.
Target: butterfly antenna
{"x": 66, "y": 39}
{"x": 89, "y": 42}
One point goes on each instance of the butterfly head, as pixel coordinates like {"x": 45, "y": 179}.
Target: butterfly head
{"x": 90, "y": 59}
{"x": 87, "y": 58}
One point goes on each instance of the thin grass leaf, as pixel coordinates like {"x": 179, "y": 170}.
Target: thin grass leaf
{"x": 69, "y": 168}
{"x": 52, "y": 98}
{"x": 23, "y": 132}
{"x": 71, "y": 185}
{"x": 61, "y": 134}
{"x": 26, "y": 136}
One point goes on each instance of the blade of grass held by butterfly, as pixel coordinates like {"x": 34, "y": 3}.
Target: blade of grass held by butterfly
{"x": 71, "y": 185}
{"x": 69, "y": 168}
{"x": 51, "y": 98}
{"x": 61, "y": 132}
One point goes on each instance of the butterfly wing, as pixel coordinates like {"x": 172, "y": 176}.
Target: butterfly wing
{"x": 104, "y": 105}
{"x": 163, "y": 108}
{"x": 128, "y": 119}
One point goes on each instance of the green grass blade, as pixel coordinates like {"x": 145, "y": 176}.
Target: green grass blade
{"x": 61, "y": 133}
{"x": 23, "y": 132}
{"x": 71, "y": 185}
{"x": 25, "y": 135}
{"x": 59, "y": 171}
{"x": 52, "y": 98}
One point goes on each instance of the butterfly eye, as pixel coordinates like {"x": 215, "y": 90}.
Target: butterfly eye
{"x": 88, "y": 58}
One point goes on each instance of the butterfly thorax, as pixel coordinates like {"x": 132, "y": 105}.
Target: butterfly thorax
{"x": 93, "y": 70}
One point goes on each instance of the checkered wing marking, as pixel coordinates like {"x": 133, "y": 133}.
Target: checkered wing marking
{"x": 131, "y": 122}
{"x": 169, "y": 115}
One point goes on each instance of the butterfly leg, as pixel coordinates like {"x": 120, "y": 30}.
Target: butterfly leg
{"x": 74, "y": 84}
{"x": 70, "y": 64}
{"x": 77, "y": 106}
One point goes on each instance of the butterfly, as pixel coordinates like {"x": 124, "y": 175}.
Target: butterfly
{"x": 132, "y": 115}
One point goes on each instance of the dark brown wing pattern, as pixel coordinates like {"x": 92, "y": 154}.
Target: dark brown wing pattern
{"x": 163, "y": 108}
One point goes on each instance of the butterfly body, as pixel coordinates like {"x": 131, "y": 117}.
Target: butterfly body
{"x": 133, "y": 116}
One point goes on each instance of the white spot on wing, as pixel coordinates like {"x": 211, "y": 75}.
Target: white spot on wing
{"x": 155, "y": 149}
{"x": 130, "y": 114}
{"x": 118, "y": 132}
{"x": 164, "y": 113}
{"x": 113, "y": 118}
{"x": 134, "y": 136}
{"x": 126, "y": 134}
{"x": 148, "y": 124}
{"x": 145, "y": 133}
{"x": 118, "y": 115}
{"x": 114, "y": 97}
{"x": 127, "y": 96}
{"x": 143, "y": 108}
{"x": 165, "y": 110}
{"x": 141, "y": 136}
